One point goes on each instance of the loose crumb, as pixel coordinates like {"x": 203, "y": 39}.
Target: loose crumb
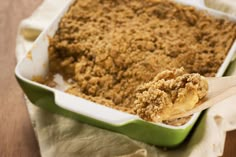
{"x": 29, "y": 55}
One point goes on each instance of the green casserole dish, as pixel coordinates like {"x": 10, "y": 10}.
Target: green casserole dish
{"x": 89, "y": 112}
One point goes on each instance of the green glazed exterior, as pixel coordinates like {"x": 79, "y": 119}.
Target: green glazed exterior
{"x": 136, "y": 129}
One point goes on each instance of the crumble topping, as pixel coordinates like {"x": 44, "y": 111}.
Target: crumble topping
{"x": 169, "y": 93}
{"x": 108, "y": 48}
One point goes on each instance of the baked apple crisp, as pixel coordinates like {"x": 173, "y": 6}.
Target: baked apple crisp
{"x": 170, "y": 92}
{"x": 107, "y": 48}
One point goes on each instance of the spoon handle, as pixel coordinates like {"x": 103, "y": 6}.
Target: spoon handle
{"x": 209, "y": 101}
{"x": 218, "y": 84}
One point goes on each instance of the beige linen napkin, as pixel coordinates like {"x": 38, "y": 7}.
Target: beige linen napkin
{"x": 62, "y": 137}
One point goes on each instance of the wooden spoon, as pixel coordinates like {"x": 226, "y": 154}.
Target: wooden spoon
{"x": 219, "y": 89}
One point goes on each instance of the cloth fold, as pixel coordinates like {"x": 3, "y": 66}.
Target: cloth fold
{"x": 63, "y": 137}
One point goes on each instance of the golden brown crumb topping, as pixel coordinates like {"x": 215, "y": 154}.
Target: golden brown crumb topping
{"x": 169, "y": 93}
{"x": 109, "y": 47}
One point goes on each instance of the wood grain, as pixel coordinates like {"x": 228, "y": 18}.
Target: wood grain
{"x": 16, "y": 133}
{"x": 17, "y": 138}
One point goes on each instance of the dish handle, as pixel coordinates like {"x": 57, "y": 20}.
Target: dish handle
{"x": 91, "y": 109}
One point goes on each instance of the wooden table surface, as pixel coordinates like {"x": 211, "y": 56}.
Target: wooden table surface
{"x": 17, "y": 137}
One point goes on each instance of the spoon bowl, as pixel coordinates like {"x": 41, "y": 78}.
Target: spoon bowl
{"x": 220, "y": 88}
